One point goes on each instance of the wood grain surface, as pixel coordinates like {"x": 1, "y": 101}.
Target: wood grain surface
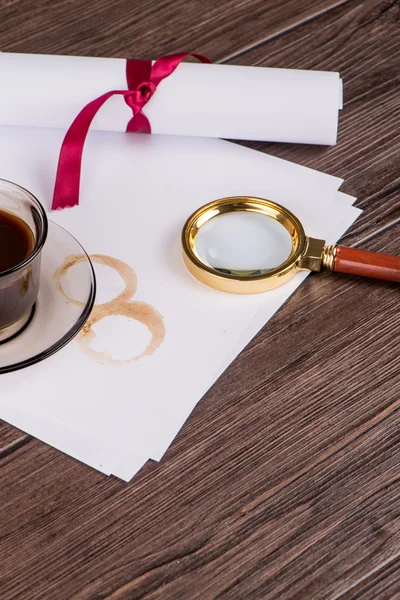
{"x": 10, "y": 438}
{"x": 362, "y": 41}
{"x": 284, "y": 482}
{"x": 129, "y": 28}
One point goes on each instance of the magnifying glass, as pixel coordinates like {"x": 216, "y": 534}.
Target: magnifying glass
{"x": 246, "y": 245}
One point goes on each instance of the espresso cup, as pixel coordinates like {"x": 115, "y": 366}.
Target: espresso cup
{"x": 19, "y": 283}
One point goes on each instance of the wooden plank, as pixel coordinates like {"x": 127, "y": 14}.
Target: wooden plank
{"x": 291, "y": 458}
{"x": 148, "y": 29}
{"x": 361, "y": 41}
{"x": 382, "y": 584}
{"x": 313, "y": 539}
{"x": 10, "y": 438}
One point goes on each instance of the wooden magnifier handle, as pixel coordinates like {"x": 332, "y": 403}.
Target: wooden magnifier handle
{"x": 365, "y": 263}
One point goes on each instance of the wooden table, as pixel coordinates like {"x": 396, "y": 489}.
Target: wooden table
{"x": 285, "y": 481}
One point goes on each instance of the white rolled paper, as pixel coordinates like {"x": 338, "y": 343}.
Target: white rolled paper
{"x": 225, "y": 101}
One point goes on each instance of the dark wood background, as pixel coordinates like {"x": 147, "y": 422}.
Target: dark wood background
{"x": 285, "y": 481}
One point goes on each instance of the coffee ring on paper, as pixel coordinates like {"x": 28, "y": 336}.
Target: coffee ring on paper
{"x": 139, "y": 311}
{"x": 125, "y": 271}
{"x": 122, "y": 305}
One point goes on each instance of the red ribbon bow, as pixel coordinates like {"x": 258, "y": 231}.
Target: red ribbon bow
{"x": 143, "y": 79}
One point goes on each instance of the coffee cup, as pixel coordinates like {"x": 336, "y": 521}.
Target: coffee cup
{"x": 23, "y": 232}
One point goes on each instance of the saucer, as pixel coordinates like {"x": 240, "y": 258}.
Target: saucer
{"x": 55, "y": 320}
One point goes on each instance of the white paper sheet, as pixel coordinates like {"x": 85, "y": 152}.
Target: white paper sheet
{"x": 91, "y": 450}
{"x": 133, "y": 182}
{"x": 118, "y": 460}
{"x": 223, "y": 101}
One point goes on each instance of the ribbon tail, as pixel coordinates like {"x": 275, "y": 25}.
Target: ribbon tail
{"x": 140, "y": 74}
{"x": 66, "y": 189}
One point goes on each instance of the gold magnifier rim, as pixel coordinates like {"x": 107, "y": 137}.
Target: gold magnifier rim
{"x": 234, "y": 283}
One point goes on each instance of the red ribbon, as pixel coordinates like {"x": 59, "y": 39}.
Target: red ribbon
{"x": 143, "y": 79}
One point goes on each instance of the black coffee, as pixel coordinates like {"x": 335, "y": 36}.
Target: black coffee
{"x": 16, "y": 241}
{"x": 18, "y": 290}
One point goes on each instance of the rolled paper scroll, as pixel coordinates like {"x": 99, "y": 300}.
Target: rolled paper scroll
{"x": 225, "y": 101}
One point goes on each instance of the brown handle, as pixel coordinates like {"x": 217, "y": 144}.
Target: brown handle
{"x": 368, "y": 264}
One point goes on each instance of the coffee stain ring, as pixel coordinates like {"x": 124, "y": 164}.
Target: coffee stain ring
{"x": 125, "y": 271}
{"x": 122, "y": 305}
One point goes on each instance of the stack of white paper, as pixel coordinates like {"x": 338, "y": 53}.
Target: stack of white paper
{"x": 136, "y": 194}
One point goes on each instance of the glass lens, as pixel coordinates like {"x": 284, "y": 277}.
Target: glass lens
{"x": 243, "y": 243}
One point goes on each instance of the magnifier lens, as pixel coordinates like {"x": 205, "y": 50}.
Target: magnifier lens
{"x": 243, "y": 243}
